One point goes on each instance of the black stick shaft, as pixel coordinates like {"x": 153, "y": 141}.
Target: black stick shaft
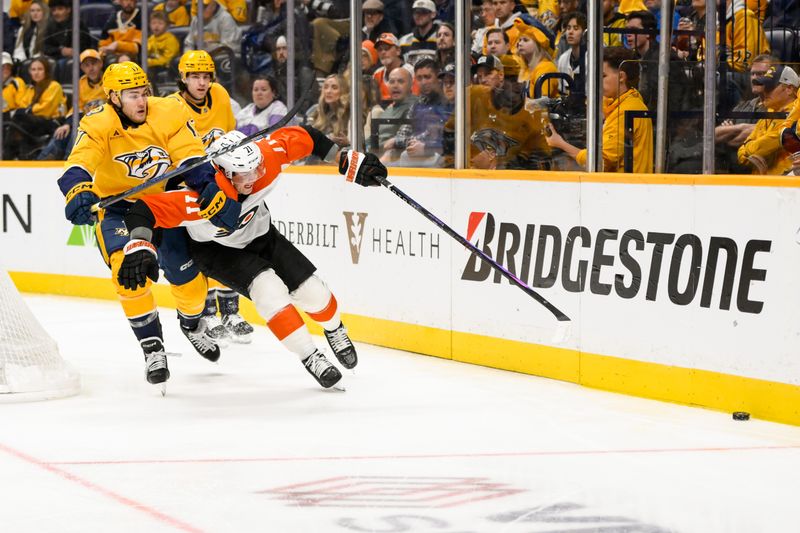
{"x": 475, "y": 250}
{"x": 105, "y": 202}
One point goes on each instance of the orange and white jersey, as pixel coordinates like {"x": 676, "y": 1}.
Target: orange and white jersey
{"x": 180, "y": 208}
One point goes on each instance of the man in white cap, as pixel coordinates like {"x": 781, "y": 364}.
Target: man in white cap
{"x": 12, "y": 85}
{"x": 374, "y": 22}
{"x": 421, "y": 42}
{"x": 762, "y": 150}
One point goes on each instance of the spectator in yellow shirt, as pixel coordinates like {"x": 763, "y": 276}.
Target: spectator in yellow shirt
{"x": 122, "y": 33}
{"x": 744, "y": 36}
{"x": 176, "y": 12}
{"x": 620, "y": 78}
{"x": 162, "y": 46}
{"x": 762, "y": 150}
{"x": 41, "y": 104}
{"x": 13, "y": 86}
{"x": 535, "y": 45}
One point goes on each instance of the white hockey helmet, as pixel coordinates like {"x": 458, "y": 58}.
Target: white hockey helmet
{"x": 243, "y": 165}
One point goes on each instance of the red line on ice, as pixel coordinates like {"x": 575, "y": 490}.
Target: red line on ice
{"x": 127, "y": 502}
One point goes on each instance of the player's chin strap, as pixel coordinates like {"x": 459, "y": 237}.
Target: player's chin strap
{"x": 474, "y": 249}
{"x": 203, "y": 160}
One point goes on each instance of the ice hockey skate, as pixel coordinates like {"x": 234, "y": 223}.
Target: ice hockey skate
{"x": 237, "y": 328}
{"x": 217, "y": 330}
{"x": 342, "y": 346}
{"x": 156, "y": 370}
{"x": 202, "y": 341}
{"x": 323, "y": 371}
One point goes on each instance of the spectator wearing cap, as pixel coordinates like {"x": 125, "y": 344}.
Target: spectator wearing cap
{"x": 90, "y": 96}
{"x": 162, "y": 46}
{"x": 122, "y": 34}
{"x": 176, "y": 12}
{"x": 219, "y": 29}
{"x": 30, "y": 39}
{"x": 620, "y": 78}
{"x": 399, "y": 81}
{"x": 12, "y": 85}
{"x": 534, "y": 47}
{"x": 388, "y": 48}
{"x": 762, "y": 150}
{"x": 375, "y": 23}
{"x": 421, "y": 140}
{"x": 445, "y": 44}
{"x": 421, "y": 42}
{"x": 447, "y": 77}
{"x": 330, "y": 23}
{"x": 369, "y": 57}
{"x": 488, "y": 71}
{"x": 58, "y": 39}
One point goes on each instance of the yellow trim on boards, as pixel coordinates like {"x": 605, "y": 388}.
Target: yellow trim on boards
{"x": 777, "y": 402}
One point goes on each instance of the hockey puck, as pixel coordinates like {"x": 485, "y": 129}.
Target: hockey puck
{"x": 741, "y": 415}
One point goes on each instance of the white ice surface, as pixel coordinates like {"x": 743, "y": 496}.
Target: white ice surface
{"x": 415, "y": 444}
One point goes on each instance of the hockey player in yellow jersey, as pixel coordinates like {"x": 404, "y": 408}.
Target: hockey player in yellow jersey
{"x": 210, "y": 106}
{"x": 132, "y": 138}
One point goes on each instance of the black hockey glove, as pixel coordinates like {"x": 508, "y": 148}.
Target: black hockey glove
{"x": 80, "y": 200}
{"x": 218, "y": 209}
{"x": 361, "y": 168}
{"x": 139, "y": 264}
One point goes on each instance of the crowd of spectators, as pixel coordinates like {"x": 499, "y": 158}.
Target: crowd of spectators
{"x": 527, "y": 93}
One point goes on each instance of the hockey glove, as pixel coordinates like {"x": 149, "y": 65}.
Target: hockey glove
{"x": 364, "y": 169}
{"x": 218, "y": 209}
{"x": 80, "y": 200}
{"x": 140, "y": 263}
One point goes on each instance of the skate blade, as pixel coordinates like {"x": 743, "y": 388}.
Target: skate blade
{"x": 337, "y": 388}
{"x": 163, "y": 388}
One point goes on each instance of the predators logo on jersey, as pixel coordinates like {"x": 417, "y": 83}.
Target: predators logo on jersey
{"x": 212, "y": 135}
{"x": 145, "y": 164}
{"x": 494, "y": 140}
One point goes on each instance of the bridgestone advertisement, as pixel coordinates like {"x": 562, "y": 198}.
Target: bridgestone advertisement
{"x": 680, "y": 275}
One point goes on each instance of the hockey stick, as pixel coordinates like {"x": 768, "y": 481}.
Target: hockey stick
{"x": 105, "y": 202}
{"x": 474, "y": 249}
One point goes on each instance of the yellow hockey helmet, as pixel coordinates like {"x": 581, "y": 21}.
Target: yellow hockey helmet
{"x": 125, "y": 75}
{"x": 196, "y": 61}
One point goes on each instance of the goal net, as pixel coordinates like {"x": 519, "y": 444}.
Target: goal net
{"x": 30, "y": 365}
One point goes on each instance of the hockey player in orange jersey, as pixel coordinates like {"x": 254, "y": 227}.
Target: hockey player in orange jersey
{"x": 254, "y": 259}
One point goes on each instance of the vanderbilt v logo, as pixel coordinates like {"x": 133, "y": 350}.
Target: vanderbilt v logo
{"x": 355, "y": 233}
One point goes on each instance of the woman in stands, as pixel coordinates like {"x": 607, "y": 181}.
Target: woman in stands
{"x": 534, "y": 47}
{"x": 41, "y": 104}
{"x": 31, "y": 34}
{"x": 266, "y": 108}
{"x": 331, "y": 115}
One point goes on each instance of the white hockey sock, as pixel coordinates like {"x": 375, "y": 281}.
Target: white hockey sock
{"x": 314, "y": 297}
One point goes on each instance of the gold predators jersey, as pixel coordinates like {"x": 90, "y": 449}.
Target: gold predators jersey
{"x": 119, "y": 157}
{"x": 214, "y": 117}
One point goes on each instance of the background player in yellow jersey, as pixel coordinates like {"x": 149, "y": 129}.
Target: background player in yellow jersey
{"x": 209, "y": 105}
{"x": 132, "y": 138}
